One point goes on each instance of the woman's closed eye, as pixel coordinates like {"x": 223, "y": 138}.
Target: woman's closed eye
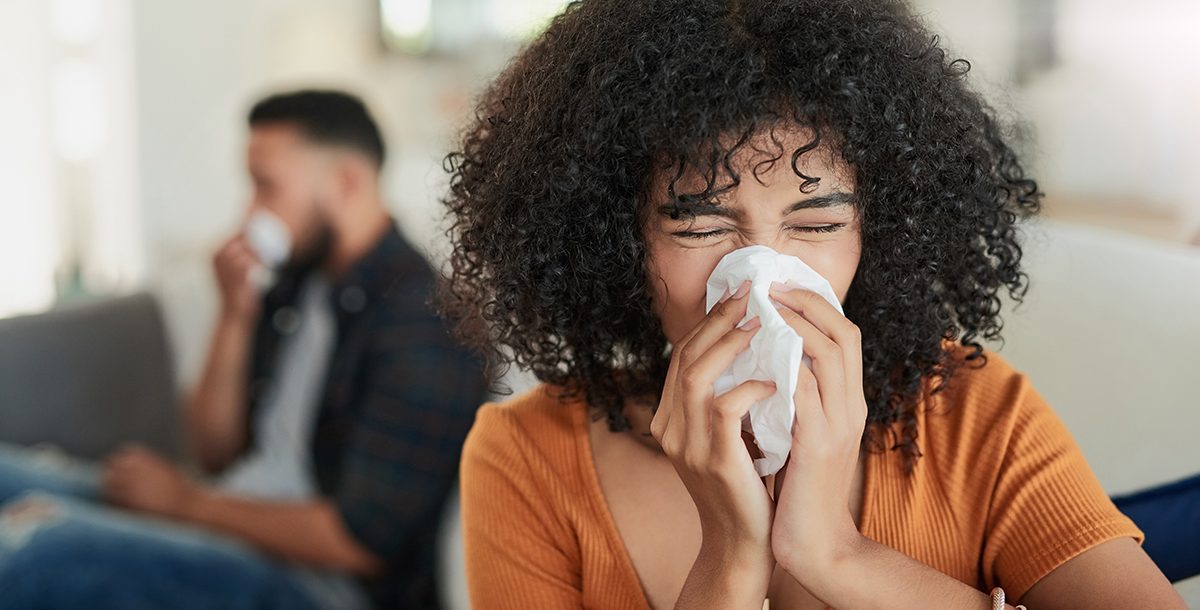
{"x": 825, "y": 228}
{"x": 717, "y": 232}
{"x": 700, "y": 234}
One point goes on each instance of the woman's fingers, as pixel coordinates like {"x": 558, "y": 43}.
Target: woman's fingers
{"x": 723, "y": 317}
{"x": 684, "y": 386}
{"x": 822, "y": 314}
{"x": 699, "y": 376}
{"x": 814, "y": 308}
{"x": 666, "y": 403}
{"x": 727, "y": 413}
{"x": 828, "y": 365}
{"x": 810, "y": 416}
{"x": 693, "y": 345}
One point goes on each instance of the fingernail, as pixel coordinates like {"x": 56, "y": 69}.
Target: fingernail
{"x": 726, "y": 297}
{"x": 751, "y": 324}
{"x": 742, "y": 290}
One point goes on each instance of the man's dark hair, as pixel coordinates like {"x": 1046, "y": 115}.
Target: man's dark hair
{"x": 331, "y": 118}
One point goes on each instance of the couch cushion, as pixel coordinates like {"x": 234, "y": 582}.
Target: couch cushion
{"x": 1108, "y": 335}
{"x": 89, "y": 377}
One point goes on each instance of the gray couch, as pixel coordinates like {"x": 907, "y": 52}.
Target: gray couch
{"x": 89, "y": 377}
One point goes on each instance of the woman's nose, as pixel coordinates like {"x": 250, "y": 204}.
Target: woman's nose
{"x": 774, "y": 240}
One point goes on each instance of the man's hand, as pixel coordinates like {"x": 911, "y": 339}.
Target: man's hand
{"x": 138, "y": 479}
{"x": 215, "y": 412}
{"x": 235, "y": 265}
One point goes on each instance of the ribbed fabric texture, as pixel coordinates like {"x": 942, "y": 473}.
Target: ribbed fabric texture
{"x": 1001, "y": 497}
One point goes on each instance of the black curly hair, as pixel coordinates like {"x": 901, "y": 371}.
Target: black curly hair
{"x": 548, "y": 186}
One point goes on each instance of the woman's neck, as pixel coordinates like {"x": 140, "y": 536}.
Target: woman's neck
{"x": 640, "y": 412}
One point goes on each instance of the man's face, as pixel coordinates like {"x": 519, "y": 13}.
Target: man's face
{"x": 290, "y": 178}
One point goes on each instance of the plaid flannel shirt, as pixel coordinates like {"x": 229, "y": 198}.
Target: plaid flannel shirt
{"x": 399, "y": 397}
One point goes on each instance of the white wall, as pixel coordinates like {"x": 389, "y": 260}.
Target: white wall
{"x": 1114, "y": 123}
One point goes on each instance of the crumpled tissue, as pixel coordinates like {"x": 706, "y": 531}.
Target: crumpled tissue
{"x": 776, "y": 352}
{"x": 271, "y": 241}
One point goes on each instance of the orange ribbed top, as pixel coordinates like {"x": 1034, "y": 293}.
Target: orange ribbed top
{"x": 1001, "y": 497}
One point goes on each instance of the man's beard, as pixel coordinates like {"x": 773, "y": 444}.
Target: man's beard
{"x": 316, "y": 251}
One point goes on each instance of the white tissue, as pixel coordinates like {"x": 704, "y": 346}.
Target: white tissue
{"x": 271, "y": 242}
{"x": 776, "y": 352}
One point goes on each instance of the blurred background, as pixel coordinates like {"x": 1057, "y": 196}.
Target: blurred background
{"x": 123, "y": 120}
{"x": 122, "y": 127}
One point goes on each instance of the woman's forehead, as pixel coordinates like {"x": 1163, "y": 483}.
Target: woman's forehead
{"x": 756, "y": 165}
{"x": 815, "y": 173}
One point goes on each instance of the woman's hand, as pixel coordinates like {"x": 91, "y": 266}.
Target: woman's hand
{"x": 813, "y": 524}
{"x": 701, "y": 435}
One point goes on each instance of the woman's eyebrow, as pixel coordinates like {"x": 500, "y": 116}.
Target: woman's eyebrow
{"x": 676, "y": 209}
{"x": 822, "y": 201}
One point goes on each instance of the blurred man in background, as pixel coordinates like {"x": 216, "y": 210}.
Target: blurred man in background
{"x": 330, "y": 412}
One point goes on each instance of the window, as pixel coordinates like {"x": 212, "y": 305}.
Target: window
{"x": 455, "y": 26}
{"x": 68, "y": 210}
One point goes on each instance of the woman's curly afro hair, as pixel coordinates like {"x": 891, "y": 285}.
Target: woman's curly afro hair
{"x": 547, "y": 189}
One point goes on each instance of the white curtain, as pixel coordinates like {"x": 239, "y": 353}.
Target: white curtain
{"x": 69, "y": 219}
{"x": 29, "y": 236}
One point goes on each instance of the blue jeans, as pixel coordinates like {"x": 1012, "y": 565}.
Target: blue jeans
{"x": 62, "y": 548}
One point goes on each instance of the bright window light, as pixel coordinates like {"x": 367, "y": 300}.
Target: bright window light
{"x": 521, "y": 19}
{"x": 406, "y": 23}
{"x": 80, "y": 110}
{"x": 457, "y": 26}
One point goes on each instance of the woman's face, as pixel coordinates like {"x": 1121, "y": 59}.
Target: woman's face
{"x": 820, "y": 227}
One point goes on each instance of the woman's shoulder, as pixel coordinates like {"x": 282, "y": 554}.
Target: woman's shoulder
{"x": 979, "y": 374}
{"x": 1004, "y": 461}
{"x": 984, "y": 392}
{"x": 525, "y": 497}
{"x": 983, "y": 409}
{"x": 543, "y": 413}
{"x": 537, "y": 431}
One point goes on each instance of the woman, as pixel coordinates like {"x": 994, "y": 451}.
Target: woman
{"x": 611, "y": 166}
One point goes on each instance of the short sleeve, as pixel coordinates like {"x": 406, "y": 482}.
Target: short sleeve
{"x": 1047, "y": 506}
{"x": 516, "y": 551}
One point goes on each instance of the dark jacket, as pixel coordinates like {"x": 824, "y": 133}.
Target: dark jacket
{"x": 399, "y": 397}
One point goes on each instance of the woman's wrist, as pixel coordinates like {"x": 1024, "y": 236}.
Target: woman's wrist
{"x": 747, "y": 553}
{"x": 820, "y": 554}
{"x": 728, "y": 574}
{"x": 738, "y": 547}
{"x": 734, "y": 534}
